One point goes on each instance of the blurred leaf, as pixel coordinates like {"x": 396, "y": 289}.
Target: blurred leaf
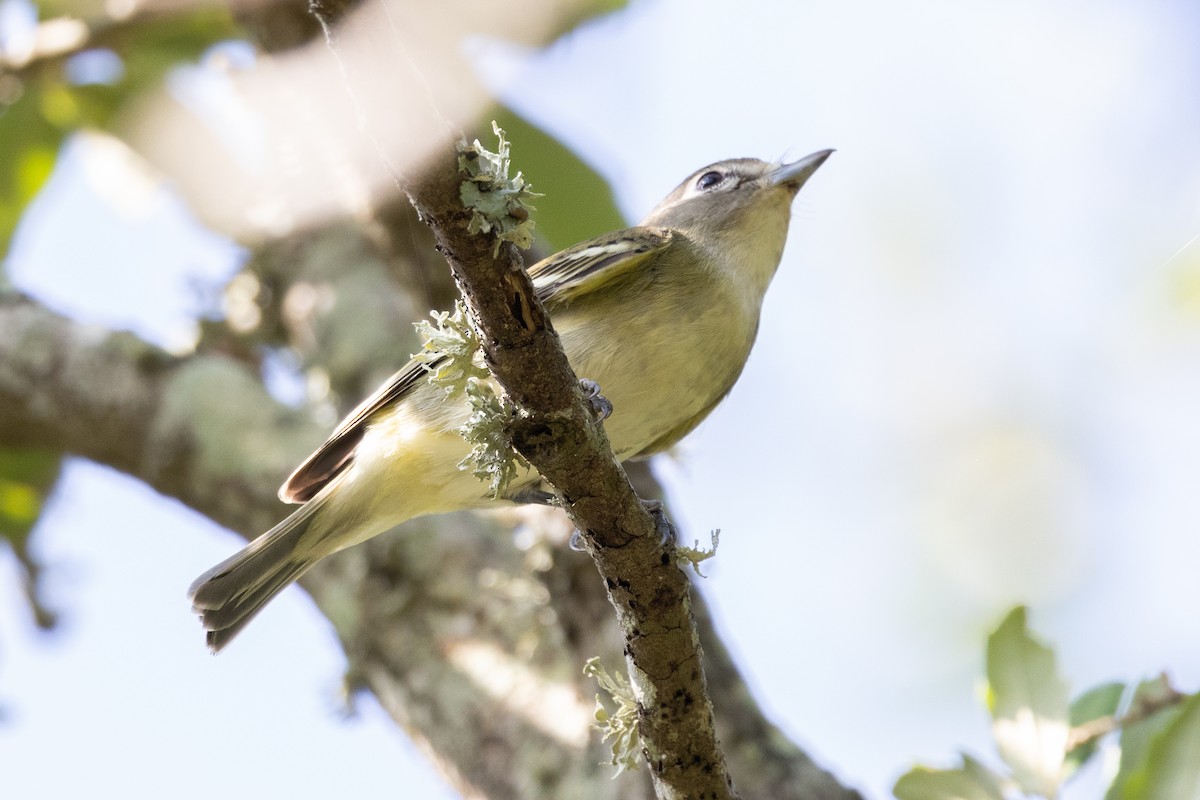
{"x": 1096, "y": 703}
{"x": 48, "y": 9}
{"x": 1028, "y": 701}
{"x": 587, "y": 11}
{"x": 986, "y": 777}
{"x": 26, "y": 159}
{"x": 578, "y": 203}
{"x": 43, "y": 107}
{"x": 26, "y": 479}
{"x": 971, "y": 781}
{"x": 1137, "y": 741}
{"x": 147, "y": 49}
{"x": 165, "y": 42}
{"x": 59, "y": 106}
{"x": 1172, "y": 768}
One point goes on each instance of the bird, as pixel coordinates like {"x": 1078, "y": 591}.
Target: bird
{"x": 662, "y": 316}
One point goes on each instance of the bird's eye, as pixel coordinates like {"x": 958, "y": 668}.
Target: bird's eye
{"x": 708, "y": 180}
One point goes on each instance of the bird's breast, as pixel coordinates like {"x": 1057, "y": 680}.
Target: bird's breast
{"x": 662, "y": 359}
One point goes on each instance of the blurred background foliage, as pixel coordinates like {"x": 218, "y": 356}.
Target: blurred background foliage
{"x": 79, "y": 73}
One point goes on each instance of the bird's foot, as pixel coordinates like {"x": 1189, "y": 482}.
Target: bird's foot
{"x": 532, "y": 495}
{"x": 601, "y": 407}
{"x": 667, "y": 534}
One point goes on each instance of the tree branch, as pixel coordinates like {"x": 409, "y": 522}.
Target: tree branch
{"x": 556, "y": 433}
{"x": 200, "y": 428}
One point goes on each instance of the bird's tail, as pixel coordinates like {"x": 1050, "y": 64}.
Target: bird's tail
{"x": 229, "y": 595}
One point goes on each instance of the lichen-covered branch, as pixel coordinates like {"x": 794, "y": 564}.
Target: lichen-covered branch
{"x": 202, "y": 429}
{"x": 556, "y": 432}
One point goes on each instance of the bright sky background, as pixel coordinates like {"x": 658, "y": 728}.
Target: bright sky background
{"x": 975, "y": 384}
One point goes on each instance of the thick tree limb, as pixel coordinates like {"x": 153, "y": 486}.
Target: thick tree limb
{"x": 202, "y": 429}
{"x": 557, "y": 434}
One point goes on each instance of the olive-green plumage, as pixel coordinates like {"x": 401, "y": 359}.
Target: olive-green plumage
{"x": 662, "y": 316}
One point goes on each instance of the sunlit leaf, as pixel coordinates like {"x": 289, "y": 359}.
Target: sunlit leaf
{"x": 984, "y": 776}
{"x": 1028, "y": 701}
{"x": 1137, "y": 740}
{"x": 589, "y": 10}
{"x": 972, "y": 781}
{"x": 43, "y": 106}
{"x": 27, "y": 477}
{"x": 48, "y": 9}
{"x": 1172, "y": 769}
{"x": 33, "y": 168}
{"x": 26, "y": 159}
{"x": 59, "y": 106}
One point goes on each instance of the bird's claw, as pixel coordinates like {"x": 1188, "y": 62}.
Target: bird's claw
{"x": 576, "y": 542}
{"x": 601, "y": 408}
{"x": 667, "y": 535}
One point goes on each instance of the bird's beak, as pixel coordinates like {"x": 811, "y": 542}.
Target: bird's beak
{"x": 795, "y": 174}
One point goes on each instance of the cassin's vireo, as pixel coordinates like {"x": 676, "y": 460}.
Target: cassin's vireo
{"x": 661, "y": 316}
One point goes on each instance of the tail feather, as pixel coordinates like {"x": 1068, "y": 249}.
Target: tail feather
{"x": 230, "y": 594}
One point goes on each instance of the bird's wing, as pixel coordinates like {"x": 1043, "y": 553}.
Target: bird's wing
{"x": 590, "y": 265}
{"x": 581, "y": 269}
{"x": 336, "y": 453}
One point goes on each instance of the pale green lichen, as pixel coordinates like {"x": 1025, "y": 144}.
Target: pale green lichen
{"x": 451, "y": 349}
{"x": 696, "y": 555}
{"x": 621, "y": 725}
{"x": 492, "y": 458}
{"x": 499, "y": 204}
{"x": 451, "y": 354}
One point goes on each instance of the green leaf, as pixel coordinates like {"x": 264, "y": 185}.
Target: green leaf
{"x": 27, "y": 476}
{"x": 42, "y": 107}
{"x": 160, "y": 44}
{"x": 581, "y": 12}
{"x": 983, "y": 776}
{"x": 972, "y": 781}
{"x": 1028, "y": 701}
{"x": 1172, "y": 769}
{"x": 578, "y": 203}
{"x": 1094, "y": 704}
{"x": 26, "y": 159}
{"x": 1139, "y": 740}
